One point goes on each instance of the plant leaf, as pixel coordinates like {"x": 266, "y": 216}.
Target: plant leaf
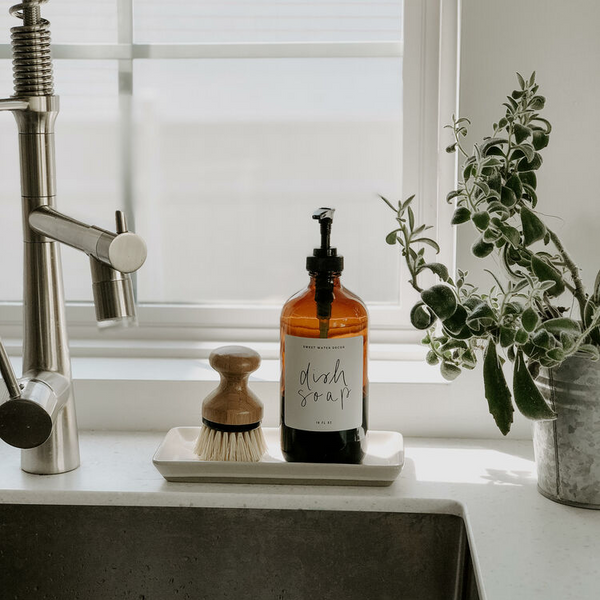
{"x": 496, "y": 390}
{"x": 439, "y": 269}
{"x": 537, "y": 102}
{"x": 483, "y": 186}
{"x": 521, "y": 132}
{"x": 427, "y": 241}
{"x": 481, "y": 315}
{"x": 533, "y": 228}
{"x": 432, "y": 358}
{"x": 588, "y": 315}
{"x": 481, "y": 248}
{"x": 453, "y": 194}
{"x": 411, "y": 218}
{"x": 421, "y": 317}
{"x": 481, "y": 219}
{"x": 521, "y": 336}
{"x": 531, "y": 193}
{"x": 514, "y": 183}
{"x": 392, "y": 237}
{"x": 389, "y": 203}
{"x": 529, "y": 178}
{"x": 508, "y": 197}
{"x": 490, "y": 235}
{"x": 511, "y": 233}
{"x": 556, "y": 354}
{"x": 528, "y": 398}
{"x": 526, "y": 150}
{"x": 407, "y": 202}
{"x": 545, "y": 272}
{"x": 449, "y": 371}
{"x": 545, "y": 123}
{"x": 514, "y": 307}
{"x": 461, "y": 215}
{"x": 542, "y": 339}
{"x": 529, "y": 319}
{"x": 490, "y": 143}
{"x": 533, "y": 164}
{"x": 540, "y": 140}
{"x": 498, "y": 207}
{"x": 562, "y": 325}
{"x": 441, "y": 300}
{"x": 567, "y": 341}
{"x": 457, "y": 321}
{"x": 507, "y": 336}
{"x": 590, "y": 350}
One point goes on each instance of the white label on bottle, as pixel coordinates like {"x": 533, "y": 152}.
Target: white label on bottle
{"x": 323, "y": 383}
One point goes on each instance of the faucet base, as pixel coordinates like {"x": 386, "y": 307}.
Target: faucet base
{"x": 60, "y": 452}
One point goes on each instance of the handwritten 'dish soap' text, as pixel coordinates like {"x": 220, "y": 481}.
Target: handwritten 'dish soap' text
{"x": 330, "y": 386}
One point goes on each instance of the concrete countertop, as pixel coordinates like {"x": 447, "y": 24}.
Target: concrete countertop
{"x": 525, "y": 547}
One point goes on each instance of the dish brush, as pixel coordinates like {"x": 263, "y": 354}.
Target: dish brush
{"x": 231, "y": 414}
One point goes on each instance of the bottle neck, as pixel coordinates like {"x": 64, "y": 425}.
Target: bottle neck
{"x": 330, "y": 276}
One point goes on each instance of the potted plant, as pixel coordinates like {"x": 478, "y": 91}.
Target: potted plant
{"x": 538, "y": 315}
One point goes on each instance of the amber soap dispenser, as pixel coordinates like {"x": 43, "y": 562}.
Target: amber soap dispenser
{"x": 324, "y": 385}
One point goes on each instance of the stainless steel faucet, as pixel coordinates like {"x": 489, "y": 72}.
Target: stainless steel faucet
{"x": 39, "y": 415}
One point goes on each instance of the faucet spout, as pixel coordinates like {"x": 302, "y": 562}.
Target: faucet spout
{"x": 123, "y": 251}
{"x": 113, "y": 256}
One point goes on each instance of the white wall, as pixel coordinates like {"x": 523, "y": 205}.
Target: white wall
{"x": 561, "y": 41}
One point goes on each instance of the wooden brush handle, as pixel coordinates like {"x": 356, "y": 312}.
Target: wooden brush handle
{"x": 233, "y": 403}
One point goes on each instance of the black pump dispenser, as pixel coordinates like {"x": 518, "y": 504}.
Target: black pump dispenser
{"x": 324, "y": 264}
{"x": 325, "y": 258}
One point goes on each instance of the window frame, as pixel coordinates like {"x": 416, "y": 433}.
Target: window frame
{"x": 430, "y": 54}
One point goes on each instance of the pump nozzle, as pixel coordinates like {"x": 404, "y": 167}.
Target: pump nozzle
{"x": 325, "y": 259}
{"x": 324, "y": 263}
{"x": 325, "y": 218}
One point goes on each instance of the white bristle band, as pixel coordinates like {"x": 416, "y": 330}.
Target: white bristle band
{"x": 246, "y": 446}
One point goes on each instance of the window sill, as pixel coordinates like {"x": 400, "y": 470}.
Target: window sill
{"x": 182, "y": 370}
{"x": 155, "y": 394}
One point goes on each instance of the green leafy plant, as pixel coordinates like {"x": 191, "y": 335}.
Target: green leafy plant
{"x": 519, "y": 318}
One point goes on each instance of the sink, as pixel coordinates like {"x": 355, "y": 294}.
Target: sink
{"x": 158, "y": 553}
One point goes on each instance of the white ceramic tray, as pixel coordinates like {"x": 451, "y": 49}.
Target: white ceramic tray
{"x": 176, "y": 461}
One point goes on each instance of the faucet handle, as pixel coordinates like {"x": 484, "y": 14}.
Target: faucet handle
{"x": 8, "y": 374}
{"x": 24, "y": 420}
{"x": 121, "y": 226}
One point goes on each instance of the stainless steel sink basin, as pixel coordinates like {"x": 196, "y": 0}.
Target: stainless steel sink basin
{"x": 106, "y": 552}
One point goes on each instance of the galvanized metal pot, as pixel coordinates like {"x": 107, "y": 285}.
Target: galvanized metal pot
{"x": 567, "y": 450}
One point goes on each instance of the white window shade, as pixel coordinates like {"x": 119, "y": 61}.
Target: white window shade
{"x": 230, "y": 177}
{"x": 73, "y": 21}
{"x": 243, "y": 21}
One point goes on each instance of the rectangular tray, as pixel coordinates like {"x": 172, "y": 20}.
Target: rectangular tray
{"x": 176, "y": 461}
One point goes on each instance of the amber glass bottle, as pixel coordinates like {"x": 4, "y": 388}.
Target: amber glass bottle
{"x": 324, "y": 383}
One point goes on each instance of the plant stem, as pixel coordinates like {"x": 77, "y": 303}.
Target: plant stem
{"x": 409, "y": 261}
{"x": 579, "y": 291}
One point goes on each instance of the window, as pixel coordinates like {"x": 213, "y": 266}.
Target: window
{"x": 219, "y": 126}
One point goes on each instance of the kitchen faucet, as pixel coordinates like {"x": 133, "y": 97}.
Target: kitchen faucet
{"x": 39, "y": 415}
